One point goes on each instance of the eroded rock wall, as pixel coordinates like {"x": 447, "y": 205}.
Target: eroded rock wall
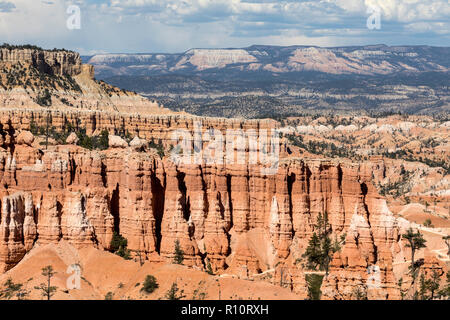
{"x": 56, "y": 62}
{"x": 233, "y": 217}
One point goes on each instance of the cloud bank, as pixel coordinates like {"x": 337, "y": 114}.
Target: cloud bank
{"x": 176, "y": 25}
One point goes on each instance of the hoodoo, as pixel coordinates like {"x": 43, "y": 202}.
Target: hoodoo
{"x": 103, "y": 169}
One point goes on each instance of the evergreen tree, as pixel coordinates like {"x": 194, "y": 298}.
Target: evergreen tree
{"x": 423, "y": 288}
{"x": 320, "y": 250}
{"x": 174, "y": 293}
{"x": 313, "y": 253}
{"x": 119, "y": 246}
{"x": 433, "y": 284}
{"x": 150, "y": 284}
{"x": 11, "y": 289}
{"x": 337, "y": 244}
{"x": 415, "y": 242}
{"x": 103, "y": 141}
{"x": 179, "y": 254}
{"x": 199, "y": 293}
{"x": 314, "y": 282}
{"x": 109, "y": 296}
{"x": 447, "y": 242}
{"x": 360, "y": 293}
{"x": 402, "y": 291}
{"x": 324, "y": 229}
{"x": 47, "y": 290}
{"x": 209, "y": 269}
{"x": 322, "y": 225}
{"x": 326, "y": 253}
{"x": 427, "y": 223}
{"x": 445, "y": 292}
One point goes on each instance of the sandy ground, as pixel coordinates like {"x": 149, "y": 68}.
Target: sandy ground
{"x": 418, "y": 213}
{"x": 103, "y": 272}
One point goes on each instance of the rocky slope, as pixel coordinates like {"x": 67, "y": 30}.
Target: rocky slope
{"x": 56, "y": 62}
{"x": 34, "y": 78}
{"x": 123, "y": 279}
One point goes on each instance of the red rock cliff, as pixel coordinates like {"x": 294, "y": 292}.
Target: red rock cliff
{"x": 231, "y": 216}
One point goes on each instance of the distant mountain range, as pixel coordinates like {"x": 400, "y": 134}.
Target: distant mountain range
{"x": 366, "y": 60}
{"x": 251, "y": 81}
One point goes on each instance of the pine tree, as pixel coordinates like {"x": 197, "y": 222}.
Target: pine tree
{"x": 433, "y": 284}
{"x": 322, "y": 225}
{"x": 150, "y": 284}
{"x": 326, "y": 254}
{"x": 337, "y": 244}
{"x": 47, "y": 290}
{"x": 119, "y": 246}
{"x": 402, "y": 291}
{"x": 423, "y": 288}
{"x": 320, "y": 249}
{"x": 314, "y": 282}
{"x": 11, "y": 289}
{"x": 313, "y": 252}
{"x": 447, "y": 242}
{"x": 179, "y": 253}
{"x": 174, "y": 293}
{"x": 415, "y": 242}
{"x": 360, "y": 293}
{"x": 445, "y": 292}
{"x": 209, "y": 269}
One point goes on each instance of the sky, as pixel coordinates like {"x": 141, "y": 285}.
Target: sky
{"x": 137, "y": 26}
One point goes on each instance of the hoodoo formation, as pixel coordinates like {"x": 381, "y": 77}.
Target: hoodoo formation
{"x": 229, "y": 219}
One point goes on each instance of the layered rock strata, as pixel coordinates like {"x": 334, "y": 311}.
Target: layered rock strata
{"x": 57, "y": 62}
{"x": 232, "y": 217}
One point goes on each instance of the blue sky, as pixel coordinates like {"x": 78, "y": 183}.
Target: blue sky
{"x": 178, "y": 25}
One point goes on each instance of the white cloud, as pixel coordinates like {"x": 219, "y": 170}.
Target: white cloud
{"x": 425, "y": 27}
{"x": 33, "y": 19}
{"x": 412, "y": 10}
{"x": 176, "y": 25}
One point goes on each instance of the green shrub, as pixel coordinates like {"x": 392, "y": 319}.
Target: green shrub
{"x": 179, "y": 253}
{"x": 427, "y": 223}
{"x": 174, "y": 293}
{"x": 34, "y": 129}
{"x": 150, "y": 284}
{"x": 109, "y": 296}
{"x": 209, "y": 269}
{"x": 158, "y": 146}
{"x": 84, "y": 140}
{"x": 359, "y": 293}
{"x": 102, "y": 142}
{"x": 44, "y": 99}
{"x": 119, "y": 246}
{"x": 11, "y": 289}
{"x": 95, "y": 142}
